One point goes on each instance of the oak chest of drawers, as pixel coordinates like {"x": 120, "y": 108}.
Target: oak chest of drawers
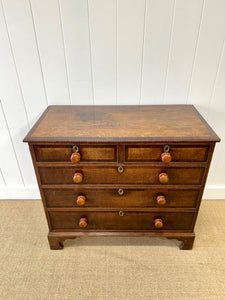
{"x": 121, "y": 170}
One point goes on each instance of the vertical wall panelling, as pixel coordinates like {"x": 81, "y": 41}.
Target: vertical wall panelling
{"x": 159, "y": 14}
{"x": 51, "y": 46}
{"x": 2, "y": 182}
{"x": 102, "y": 22}
{"x": 8, "y": 161}
{"x": 216, "y": 113}
{"x": 212, "y": 34}
{"x": 21, "y": 32}
{"x": 183, "y": 43}
{"x": 130, "y": 29}
{"x": 13, "y": 104}
{"x": 74, "y": 16}
{"x": 106, "y": 52}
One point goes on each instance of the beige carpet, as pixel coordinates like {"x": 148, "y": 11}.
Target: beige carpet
{"x": 109, "y": 268}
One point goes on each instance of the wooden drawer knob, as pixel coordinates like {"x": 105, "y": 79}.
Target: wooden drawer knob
{"x": 158, "y": 223}
{"x": 75, "y": 157}
{"x": 83, "y": 222}
{"x": 81, "y": 200}
{"x": 161, "y": 200}
{"x": 166, "y": 157}
{"x": 163, "y": 178}
{"x": 78, "y": 177}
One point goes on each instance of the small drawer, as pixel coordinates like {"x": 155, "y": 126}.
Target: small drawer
{"x": 112, "y": 175}
{"x": 121, "y": 220}
{"x": 126, "y": 197}
{"x": 95, "y": 153}
{"x": 149, "y": 153}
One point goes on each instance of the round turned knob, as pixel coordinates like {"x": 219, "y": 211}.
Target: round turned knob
{"x": 158, "y": 223}
{"x": 161, "y": 200}
{"x": 163, "y": 178}
{"x": 75, "y": 157}
{"x": 78, "y": 177}
{"x": 166, "y": 157}
{"x": 83, "y": 222}
{"x": 81, "y": 200}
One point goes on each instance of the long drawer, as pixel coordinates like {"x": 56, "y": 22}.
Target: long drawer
{"x": 111, "y": 198}
{"x": 130, "y": 175}
{"x": 114, "y": 221}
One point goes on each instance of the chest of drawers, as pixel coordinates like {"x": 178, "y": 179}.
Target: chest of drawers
{"x": 121, "y": 170}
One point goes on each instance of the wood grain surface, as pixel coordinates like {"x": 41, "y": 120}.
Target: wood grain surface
{"x": 129, "y": 221}
{"x": 110, "y": 198}
{"x": 131, "y": 175}
{"x": 121, "y": 123}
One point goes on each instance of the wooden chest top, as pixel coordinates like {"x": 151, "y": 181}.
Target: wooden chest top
{"x": 152, "y": 123}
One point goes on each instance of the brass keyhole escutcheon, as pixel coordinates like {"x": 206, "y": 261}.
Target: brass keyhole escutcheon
{"x": 121, "y": 213}
{"x": 120, "y": 192}
{"x": 120, "y": 169}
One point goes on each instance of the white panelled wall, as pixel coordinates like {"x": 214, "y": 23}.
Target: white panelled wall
{"x": 106, "y": 52}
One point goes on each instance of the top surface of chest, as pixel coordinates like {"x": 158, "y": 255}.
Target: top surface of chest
{"x": 152, "y": 123}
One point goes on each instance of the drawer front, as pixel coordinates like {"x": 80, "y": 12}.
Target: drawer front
{"x": 148, "y": 153}
{"x": 87, "y": 153}
{"x": 130, "y": 175}
{"x": 129, "y": 221}
{"x": 110, "y": 198}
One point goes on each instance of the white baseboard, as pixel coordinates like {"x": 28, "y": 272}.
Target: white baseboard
{"x": 32, "y": 192}
{"x": 214, "y": 192}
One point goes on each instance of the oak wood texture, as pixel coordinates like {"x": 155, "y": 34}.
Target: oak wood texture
{"x": 121, "y": 123}
{"x": 178, "y": 153}
{"x": 87, "y": 153}
{"x": 110, "y": 198}
{"x": 130, "y": 175}
{"x": 121, "y": 170}
{"x": 131, "y": 220}
{"x": 56, "y": 238}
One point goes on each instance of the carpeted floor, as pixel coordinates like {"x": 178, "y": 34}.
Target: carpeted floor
{"x": 108, "y": 268}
